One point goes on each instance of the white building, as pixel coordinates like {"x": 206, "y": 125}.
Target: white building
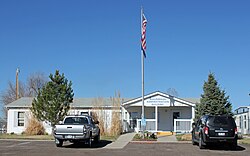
{"x": 173, "y": 114}
{"x": 19, "y": 112}
{"x": 242, "y": 115}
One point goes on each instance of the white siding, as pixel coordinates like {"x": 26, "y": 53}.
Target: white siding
{"x": 12, "y": 121}
{"x": 243, "y": 123}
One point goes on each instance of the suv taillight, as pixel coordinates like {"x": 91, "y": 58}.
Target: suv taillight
{"x": 205, "y": 130}
{"x": 235, "y": 131}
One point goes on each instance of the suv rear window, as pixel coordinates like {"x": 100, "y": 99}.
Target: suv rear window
{"x": 221, "y": 121}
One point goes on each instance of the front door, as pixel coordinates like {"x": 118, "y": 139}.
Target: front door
{"x": 176, "y": 115}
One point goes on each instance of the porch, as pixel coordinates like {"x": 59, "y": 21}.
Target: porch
{"x": 172, "y": 119}
{"x": 173, "y": 114}
{"x": 180, "y": 126}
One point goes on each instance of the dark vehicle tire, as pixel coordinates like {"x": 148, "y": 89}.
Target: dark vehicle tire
{"x": 58, "y": 142}
{"x": 97, "y": 138}
{"x": 233, "y": 145}
{"x": 201, "y": 143}
{"x": 193, "y": 141}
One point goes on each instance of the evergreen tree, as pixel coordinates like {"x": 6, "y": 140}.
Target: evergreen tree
{"x": 214, "y": 100}
{"x": 53, "y": 100}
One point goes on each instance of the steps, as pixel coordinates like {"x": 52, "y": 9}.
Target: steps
{"x": 166, "y": 133}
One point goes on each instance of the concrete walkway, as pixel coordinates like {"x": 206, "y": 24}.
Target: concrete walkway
{"x": 124, "y": 139}
{"x": 121, "y": 142}
{"x": 170, "y": 138}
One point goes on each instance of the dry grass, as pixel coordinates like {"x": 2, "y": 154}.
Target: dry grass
{"x": 116, "y": 125}
{"x": 99, "y": 114}
{"x": 107, "y": 128}
{"x": 34, "y": 127}
{"x": 184, "y": 137}
{"x": 244, "y": 141}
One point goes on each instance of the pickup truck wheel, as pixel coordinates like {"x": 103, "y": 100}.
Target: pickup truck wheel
{"x": 58, "y": 142}
{"x": 97, "y": 138}
{"x": 90, "y": 141}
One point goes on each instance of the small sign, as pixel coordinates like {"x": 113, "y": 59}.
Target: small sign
{"x": 143, "y": 122}
{"x": 157, "y": 101}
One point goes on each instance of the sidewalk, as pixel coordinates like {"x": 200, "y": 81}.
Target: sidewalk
{"x": 170, "y": 139}
{"x": 121, "y": 142}
{"x": 124, "y": 139}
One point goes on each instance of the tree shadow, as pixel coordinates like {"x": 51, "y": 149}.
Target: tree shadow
{"x": 101, "y": 144}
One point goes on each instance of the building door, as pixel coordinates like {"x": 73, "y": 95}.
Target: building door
{"x": 176, "y": 115}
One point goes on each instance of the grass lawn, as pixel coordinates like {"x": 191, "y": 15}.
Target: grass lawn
{"x": 45, "y": 137}
{"x": 244, "y": 141}
{"x": 29, "y": 137}
{"x": 184, "y": 137}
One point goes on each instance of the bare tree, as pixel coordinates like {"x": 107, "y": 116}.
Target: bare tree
{"x": 172, "y": 92}
{"x": 34, "y": 83}
{"x": 9, "y": 95}
{"x": 30, "y": 89}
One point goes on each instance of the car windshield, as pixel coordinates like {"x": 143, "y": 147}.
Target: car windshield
{"x": 76, "y": 121}
{"x": 221, "y": 121}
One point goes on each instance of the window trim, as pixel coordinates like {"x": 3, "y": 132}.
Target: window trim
{"x": 20, "y": 119}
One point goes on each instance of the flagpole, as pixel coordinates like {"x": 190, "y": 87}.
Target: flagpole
{"x": 142, "y": 72}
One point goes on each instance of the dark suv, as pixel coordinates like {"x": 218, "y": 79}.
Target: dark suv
{"x": 210, "y": 129}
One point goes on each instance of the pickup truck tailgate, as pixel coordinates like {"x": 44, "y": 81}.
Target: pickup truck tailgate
{"x": 69, "y": 129}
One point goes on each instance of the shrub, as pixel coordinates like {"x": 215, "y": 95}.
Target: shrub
{"x": 34, "y": 127}
{"x": 147, "y": 137}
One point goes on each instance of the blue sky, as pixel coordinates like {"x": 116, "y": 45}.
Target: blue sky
{"x": 96, "y": 44}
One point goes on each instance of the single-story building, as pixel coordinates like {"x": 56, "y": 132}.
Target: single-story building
{"x": 241, "y": 116}
{"x": 173, "y": 114}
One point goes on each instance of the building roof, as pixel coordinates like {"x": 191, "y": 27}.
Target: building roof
{"x": 193, "y": 100}
{"x": 26, "y": 102}
{"x": 23, "y": 102}
{"x": 241, "y": 110}
{"x": 188, "y": 101}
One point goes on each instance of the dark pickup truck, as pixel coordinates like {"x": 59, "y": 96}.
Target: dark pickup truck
{"x": 77, "y": 129}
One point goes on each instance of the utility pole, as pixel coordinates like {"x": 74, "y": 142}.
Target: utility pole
{"x": 17, "y": 84}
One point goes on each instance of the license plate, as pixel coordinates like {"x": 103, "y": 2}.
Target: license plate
{"x": 68, "y": 136}
{"x": 221, "y": 134}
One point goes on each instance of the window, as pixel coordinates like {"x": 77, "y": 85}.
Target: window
{"x": 20, "y": 119}
{"x": 245, "y": 124}
{"x": 84, "y": 113}
{"x": 134, "y": 115}
{"x": 76, "y": 121}
{"x": 158, "y": 116}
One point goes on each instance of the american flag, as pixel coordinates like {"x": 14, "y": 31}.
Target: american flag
{"x": 143, "y": 34}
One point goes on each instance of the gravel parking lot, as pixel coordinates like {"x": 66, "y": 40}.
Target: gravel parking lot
{"x": 38, "y": 148}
